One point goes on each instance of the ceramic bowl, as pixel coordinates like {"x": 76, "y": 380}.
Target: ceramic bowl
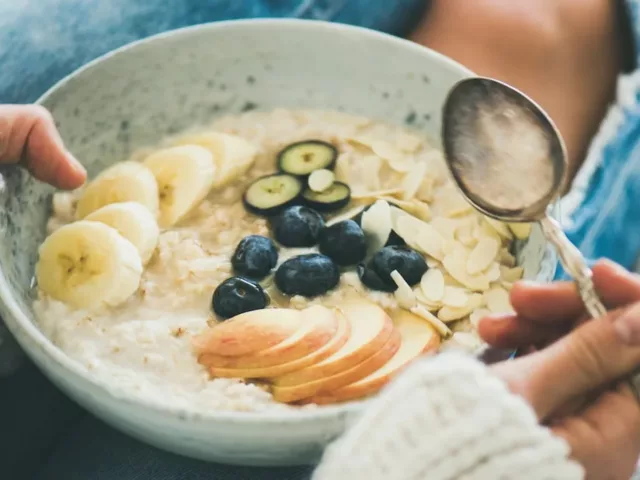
{"x": 136, "y": 95}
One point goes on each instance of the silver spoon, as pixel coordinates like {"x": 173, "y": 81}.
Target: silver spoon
{"x": 508, "y": 159}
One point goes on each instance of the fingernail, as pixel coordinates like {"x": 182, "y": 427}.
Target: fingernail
{"x": 627, "y": 325}
{"x": 77, "y": 166}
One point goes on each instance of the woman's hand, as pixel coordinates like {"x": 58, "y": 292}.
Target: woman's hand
{"x": 574, "y": 382}
{"x": 28, "y": 137}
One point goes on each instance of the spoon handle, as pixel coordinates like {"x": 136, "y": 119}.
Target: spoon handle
{"x": 575, "y": 264}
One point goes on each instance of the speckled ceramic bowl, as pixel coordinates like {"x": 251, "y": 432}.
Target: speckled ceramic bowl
{"x": 142, "y": 92}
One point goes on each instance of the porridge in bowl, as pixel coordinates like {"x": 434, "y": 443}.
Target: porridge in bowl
{"x": 273, "y": 259}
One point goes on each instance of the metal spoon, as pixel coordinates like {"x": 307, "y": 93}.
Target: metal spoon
{"x": 508, "y": 159}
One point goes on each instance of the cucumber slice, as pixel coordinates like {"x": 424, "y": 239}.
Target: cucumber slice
{"x": 271, "y": 194}
{"x": 334, "y": 198}
{"x": 302, "y": 158}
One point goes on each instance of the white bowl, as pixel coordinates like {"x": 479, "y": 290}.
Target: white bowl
{"x": 144, "y": 91}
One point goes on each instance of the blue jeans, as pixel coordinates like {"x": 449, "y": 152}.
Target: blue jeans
{"x": 43, "y": 435}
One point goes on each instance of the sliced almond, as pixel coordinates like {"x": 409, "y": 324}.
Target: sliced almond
{"x": 497, "y": 300}
{"x": 370, "y": 172}
{"x": 455, "y": 297}
{"x": 362, "y": 141}
{"x": 493, "y": 272}
{"x": 451, "y": 314}
{"x": 465, "y": 235}
{"x": 421, "y": 236}
{"x": 412, "y": 180}
{"x": 466, "y": 341}
{"x": 395, "y": 158}
{"x": 450, "y": 203}
{"x": 455, "y": 263}
{"x": 408, "y": 143}
{"x": 427, "y": 189}
{"x": 432, "y": 285}
{"x": 379, "y": 194}
{"x": 482, "y": 255}
{"x": 321, "y": 179}
{"x": 348, "y": 215}
{"x": 428, "y": 304}
{"x": 511, "y": 274}
{"x": 343, "y": 169}
{"x": 501, "y": 228}
{"x": 507, "y": 285}
{"x": 440, "y": 326}
{"x": 446, "y": 227}
{"x": 506, "y": 258}
{"x": 520, "y": 230}
{"x": 376, "y": 225}
{"x": 477, "y": 315}
{"x": 404, "y": 293}
{"x": 432, "y": 262}
{"x": 415, "y": 207}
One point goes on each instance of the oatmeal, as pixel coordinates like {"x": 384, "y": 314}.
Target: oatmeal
{"x": 347, "y": 230}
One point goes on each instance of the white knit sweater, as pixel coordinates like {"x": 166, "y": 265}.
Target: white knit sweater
{"x": 447, "y": 417}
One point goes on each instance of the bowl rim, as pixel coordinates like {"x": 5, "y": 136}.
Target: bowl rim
{"x": 122, "y": 395}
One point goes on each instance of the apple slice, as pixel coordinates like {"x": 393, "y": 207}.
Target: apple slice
{"x": 348, "y": 376}
{"x": 336, "y": 343}
{"x": 320, "y": 326}
{"x": 370, "y": 329}
{"x": 250, "y": 332}
{"x": 418, "y": 337}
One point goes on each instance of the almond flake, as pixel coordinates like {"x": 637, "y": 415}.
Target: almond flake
{"x": 464, "y": 234}
{"x": 500, "y": 228}
{"x": 451, "y": 314}
{"x": 506, "y": 258}
{"x": 431, "y": 306}
{"x": 370, "y": 171}
{"x": 497, "y": 300}
{"x": 466, "y": 341}
{"x": 404, "y": 293}
{"x": 482, "y": 255}
{"x": 520, "y": 230}
{"x": 342, "y": 169}
{"x": 493, "y": 272}
{"x": 432, "y": 285}
{"x": 348, "y": 215}
{"x": 396, "y": 159}
{"x": 440, "y": 326}
{"x": 407, "y": 142}
{"x": 478, "y": 315}
{"x": 421, "y": 236}
{"x": 415, "y": 207}
{"x": 412, "y": 180}
{"x": 362, "y": 141}
{"x": 455, "y": 297}
{"x": 446, "y": 227}
{"x": 381, "y": 194}
{"x": 432, "y": 262}
{"x": 511, "y": 274}
{"x": 455, "y": 263}
{"x": 507, "y": 285}
{"x": 321, "y": 179}
{"x": 376, "y": 225}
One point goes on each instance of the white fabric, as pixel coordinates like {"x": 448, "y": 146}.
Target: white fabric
{"x": 447, "y": 417}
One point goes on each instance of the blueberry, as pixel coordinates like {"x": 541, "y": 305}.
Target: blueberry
{"x": 238, "y": 295}
{"x": 409, "y": 263}
{"x": 343, "y": 242}
{"x": 308, "y": 275}
{"x": 297, "y": 227}
{"x": 254, "y": 257}
{"x": 372, "y": 280}
{"x": 394, "y": 238}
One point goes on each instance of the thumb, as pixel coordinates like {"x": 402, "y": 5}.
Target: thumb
{"x": 590, "y": 358}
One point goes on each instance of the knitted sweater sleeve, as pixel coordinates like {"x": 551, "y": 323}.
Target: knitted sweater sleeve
{"x": 447, "y": 417}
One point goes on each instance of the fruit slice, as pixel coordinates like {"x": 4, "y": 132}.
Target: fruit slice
{"x": 418, "y": 337}
{"x": 371, "y": 327}
{"x": 333, "y": 198}
{"x": 339, "y": 339}
{"x": 184, "y": 175}
{"x": 345, "y": 377}
{"x": 88, "y": 264}
{"x": 233, "y": 155}
{"x": 320, "y": 326}
{"x": 250, "y": 332}
{"x": 134, "y": 222}
{"x": 302, "y": 158}
{"x": 271, "y": 194}
{"x": 320, "y": 180}
{"x": 123, "y": 182}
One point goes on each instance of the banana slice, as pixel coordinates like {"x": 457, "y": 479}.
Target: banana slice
{"x": 123, "y": 182}
{"x": 233, "y": 155}
{"x": 88, "y": 264}
{"x": 185, "y": 174}
{"x": 134, "y": 222}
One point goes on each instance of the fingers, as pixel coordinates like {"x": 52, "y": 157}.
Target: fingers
{"x": 590, "y": 357}
{"x": 511, "y": 331}
{"x": 28, "y": 136}
{"x": 546, "y": 312}
{"x": 605, "y": 438}
{"x": 558, "y": 301}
